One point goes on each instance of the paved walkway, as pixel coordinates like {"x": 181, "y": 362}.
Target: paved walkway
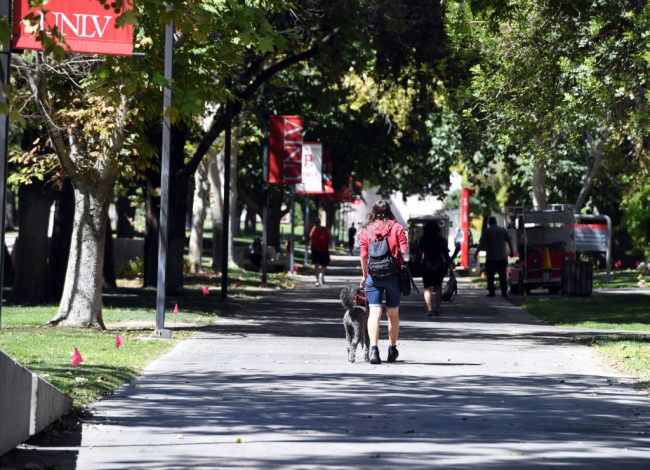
{"x": 486, "y": 385}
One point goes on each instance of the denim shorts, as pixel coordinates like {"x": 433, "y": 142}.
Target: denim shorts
{"x": 375, "y": 291}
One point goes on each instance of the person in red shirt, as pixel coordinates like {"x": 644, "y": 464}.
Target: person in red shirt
{"x": 381, "y": 221}
{"x": 319, "y": 240}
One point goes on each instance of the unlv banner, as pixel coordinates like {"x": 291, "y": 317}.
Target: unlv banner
{"x": 87, "y": 26}
{"x": 285, "y": 145}
{"x": 312, "y": 178}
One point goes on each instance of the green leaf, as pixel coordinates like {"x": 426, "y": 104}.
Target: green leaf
{"x": 266, "y": 44}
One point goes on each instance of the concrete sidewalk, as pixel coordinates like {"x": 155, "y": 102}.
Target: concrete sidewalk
{"x": 486, "y": 385}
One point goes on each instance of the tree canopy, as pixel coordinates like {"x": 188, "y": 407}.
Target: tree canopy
{"x": 400, "y": 92}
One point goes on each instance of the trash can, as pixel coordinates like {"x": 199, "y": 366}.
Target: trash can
{"x": 474, "y": 269}
{"x": 577, "y": 278}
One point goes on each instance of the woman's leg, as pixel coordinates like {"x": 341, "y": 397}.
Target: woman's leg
{"x": 438, "y": 290}
{"x": 393, "y": 325}
{"x": 427, "y": 298}
{"x": 373, "y": 325}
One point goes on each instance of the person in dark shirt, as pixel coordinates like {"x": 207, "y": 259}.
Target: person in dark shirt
{"x": 494, "y": 240}
{"x": 433, "y": 248}
{"x": 352, "y": 231}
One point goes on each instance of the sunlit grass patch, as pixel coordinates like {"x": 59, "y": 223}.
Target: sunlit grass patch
{"x": 630, "y": 355}
{"x": 612, "y": 312}
{"x": 47, "y": 352}
{"x": 618, "y": 278}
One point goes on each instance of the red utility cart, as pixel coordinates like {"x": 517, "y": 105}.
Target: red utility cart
{"x": 544, "y": 239}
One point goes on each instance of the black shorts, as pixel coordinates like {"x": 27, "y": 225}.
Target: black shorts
{"x": 320, "y": 257}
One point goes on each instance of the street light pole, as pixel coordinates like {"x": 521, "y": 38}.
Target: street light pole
{"x": 164, "y": 186}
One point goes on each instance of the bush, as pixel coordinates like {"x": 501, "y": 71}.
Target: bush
{"x": 130, "y": 269}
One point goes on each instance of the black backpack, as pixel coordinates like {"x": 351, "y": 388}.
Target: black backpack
{"x": 381, "y": 263}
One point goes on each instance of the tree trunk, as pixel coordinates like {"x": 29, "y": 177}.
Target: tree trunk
{"x": 199, "y": 210}
{"x": 179, "y": 181}
{"x": 539, "y": 183}
{"x": 11, "y": 212}
{"x": 233, "y": 226}
{"x": 125, "y": 227}
{"x": 30, "y": 281}
{"x": 151, "y": 239}
{"x": 274, "y": 215}
{"x": 60, "y": 242}
{"x": 110, "y": 278}
{"x": 81, "y": 303}
{"x": 250, "y": 223}
{"x": 215, "y": 176}
{"x": 595, "y": 151}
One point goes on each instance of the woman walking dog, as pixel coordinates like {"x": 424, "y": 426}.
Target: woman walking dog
{"x": 380, "y": 224}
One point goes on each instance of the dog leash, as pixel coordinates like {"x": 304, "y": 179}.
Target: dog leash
{"x": 362, "y": 301}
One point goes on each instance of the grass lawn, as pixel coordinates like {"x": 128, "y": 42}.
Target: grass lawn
{"x": 47, "y": 352}
{"x": 618, "y": 279}
{"x": 611, "y": 312}
{"x": 629, "y": 354}
{"x": 627, "y": 278}
{"x": 129, "y": 312}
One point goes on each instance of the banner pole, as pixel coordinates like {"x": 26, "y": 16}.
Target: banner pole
{"x": 5, "y": 67}
{"x": 293, "y": 227}
{"x": 265, "y": 187}
{"x": 306, "y": 229}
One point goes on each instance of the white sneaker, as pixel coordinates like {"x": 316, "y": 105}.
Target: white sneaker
{"x": 317, "y": 284}
{"x": 321, "y": 279}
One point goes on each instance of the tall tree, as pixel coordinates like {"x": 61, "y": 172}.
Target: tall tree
{"x": 556, "y": 83}
{"x": 94, "y": 118}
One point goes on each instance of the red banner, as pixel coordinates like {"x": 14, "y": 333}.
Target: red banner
{"x": 87, "y": 26}
{"x": 285, "y": 149}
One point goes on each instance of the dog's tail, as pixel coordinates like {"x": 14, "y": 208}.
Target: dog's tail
{"x": 347, "y": 296}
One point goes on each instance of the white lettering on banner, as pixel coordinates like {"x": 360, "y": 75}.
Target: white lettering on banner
{"x": 312, "y": 156}
{"x": 80, "y": 27}
{"x": 292, "y": 148}
{"x": 465, "y": 203}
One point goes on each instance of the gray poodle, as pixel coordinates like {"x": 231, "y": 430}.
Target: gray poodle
{"x": 355, "y": 321}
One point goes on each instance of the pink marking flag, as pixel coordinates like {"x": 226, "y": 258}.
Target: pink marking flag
{"x": 76, "y": 358}
{"x": 175, "y": 309}
{"x": 206, "y": 290}
{"x": 118, "y": 341}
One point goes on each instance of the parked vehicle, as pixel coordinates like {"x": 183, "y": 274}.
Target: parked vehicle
{"x": 544, "y": 240}
{"x": 416, "y": 228}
